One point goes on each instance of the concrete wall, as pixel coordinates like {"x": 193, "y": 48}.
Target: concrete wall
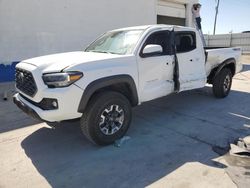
{"x": 36, "y": 27}
{"x": 228, "y": 40}
{"x": 30, "y": 28}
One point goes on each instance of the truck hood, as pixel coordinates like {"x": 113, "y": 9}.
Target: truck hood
{"x": 58, "y": 62}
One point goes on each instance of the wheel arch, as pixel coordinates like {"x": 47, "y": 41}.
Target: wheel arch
{"x": 228, "y": 63}
{"x": 120, "y": 83}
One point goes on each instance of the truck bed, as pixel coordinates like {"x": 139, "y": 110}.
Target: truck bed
{"x": 217, "y": 55}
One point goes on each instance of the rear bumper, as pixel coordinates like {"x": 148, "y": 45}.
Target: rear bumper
{"x": 25, "y": 108}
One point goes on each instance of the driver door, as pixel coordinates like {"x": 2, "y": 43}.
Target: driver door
{"x": 156, "y": 70}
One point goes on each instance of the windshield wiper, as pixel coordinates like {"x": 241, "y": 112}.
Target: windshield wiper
{"x": 105, "y": 52}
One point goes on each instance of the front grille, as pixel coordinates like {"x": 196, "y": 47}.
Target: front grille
{"x": 25, "y": 82}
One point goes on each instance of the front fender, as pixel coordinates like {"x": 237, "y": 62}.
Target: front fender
{"x": 105, "y": 82}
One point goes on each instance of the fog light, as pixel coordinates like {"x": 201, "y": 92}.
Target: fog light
{"x": 54, "y": 104}
{"x": 49, "y": 104}
{"x": 45, "y": 104}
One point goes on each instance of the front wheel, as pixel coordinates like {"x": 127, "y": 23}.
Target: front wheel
{"x": 107, "y": 118}
{"x": 222, "y": 83}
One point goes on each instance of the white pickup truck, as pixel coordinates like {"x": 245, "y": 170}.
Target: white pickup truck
{"x": 121, "y": 69}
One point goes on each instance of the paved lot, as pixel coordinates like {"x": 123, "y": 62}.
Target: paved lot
{"x": 171, "y": 145}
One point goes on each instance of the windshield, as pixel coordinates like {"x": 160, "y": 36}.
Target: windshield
{"x": 116, "y": 42}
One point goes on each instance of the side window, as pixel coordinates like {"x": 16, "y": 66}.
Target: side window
{"x": 161, "y": 38}
{"x": 185, "y": 41}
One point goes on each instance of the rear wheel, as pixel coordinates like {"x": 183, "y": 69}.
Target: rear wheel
{"x": 222, "y": 83}
{"x": 107, "y": 118}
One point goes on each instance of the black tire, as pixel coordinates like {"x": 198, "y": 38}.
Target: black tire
{"x": 97, "y": 109}
{"x": 222, "y": 83}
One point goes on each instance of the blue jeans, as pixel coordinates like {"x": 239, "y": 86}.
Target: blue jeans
{"x": 198, "y": 22}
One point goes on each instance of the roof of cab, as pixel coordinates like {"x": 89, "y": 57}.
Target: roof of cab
{"x": 152, "y": 27}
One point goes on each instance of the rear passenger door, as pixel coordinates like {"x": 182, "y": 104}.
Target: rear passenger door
{"x": 191, "y": 60}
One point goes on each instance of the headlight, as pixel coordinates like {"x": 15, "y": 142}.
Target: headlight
{"x": 62, "y": 79}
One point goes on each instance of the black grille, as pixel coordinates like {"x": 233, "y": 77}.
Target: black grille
{"x": 25, "y": 82}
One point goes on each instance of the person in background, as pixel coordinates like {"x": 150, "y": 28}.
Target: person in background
{"x": 197, "y": 19}
{"x": 196, "y": 12}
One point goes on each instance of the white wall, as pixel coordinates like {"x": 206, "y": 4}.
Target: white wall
{"x": 227, "y": 40}
{"x": 31, "y": 28}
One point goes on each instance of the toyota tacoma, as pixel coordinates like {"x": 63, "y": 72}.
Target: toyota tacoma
{"x": 121, "y": 69}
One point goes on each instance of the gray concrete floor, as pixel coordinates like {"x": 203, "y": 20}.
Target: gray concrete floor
{"x": 171, "y": 145}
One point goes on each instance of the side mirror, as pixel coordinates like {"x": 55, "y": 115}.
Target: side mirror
{"x": 152, "y": 50}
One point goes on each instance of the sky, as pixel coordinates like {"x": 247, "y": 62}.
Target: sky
{"x": 234, "y": 15}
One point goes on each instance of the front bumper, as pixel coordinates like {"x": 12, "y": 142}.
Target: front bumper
{"x": 40, "y": 104}
{"x": 68, "y": 103}
{"x": 26, "y": 108}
